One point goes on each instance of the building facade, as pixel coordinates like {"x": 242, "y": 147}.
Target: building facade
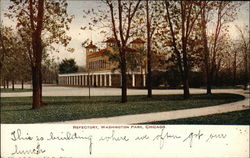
{"x": 103, "y": 71}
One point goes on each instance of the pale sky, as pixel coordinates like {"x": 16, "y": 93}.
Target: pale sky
{"x": 78, "y": 36}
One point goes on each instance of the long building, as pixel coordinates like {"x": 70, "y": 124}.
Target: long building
{"x": 103, "y": 68}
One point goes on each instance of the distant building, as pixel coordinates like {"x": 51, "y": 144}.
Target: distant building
{"x": 101, "y": 71}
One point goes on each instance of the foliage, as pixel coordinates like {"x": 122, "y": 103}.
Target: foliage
{"x": 55, "y": 21}
{"x": 50, "y": 71}
{"x": 13, "y": 56}
{"x": 173, "y": 77}
{"x": 68, "y": 66}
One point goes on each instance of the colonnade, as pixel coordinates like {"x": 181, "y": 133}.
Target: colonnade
{"x": 99, "y": 80}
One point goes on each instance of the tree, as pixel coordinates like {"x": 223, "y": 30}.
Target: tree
{"x": 40, "y": 23}
{"x": 224, "y": 12}
{"x": 245, "y": 47}
{"x": 68, "y": 66}
{"x": 149, "y": 60}
{"x": 50, "y": 71}
{"x": 13, "y": 60}
{"x": 181, "y": 17}
{"x": 125, "y": 13}
{"x": 145, "y": 24}
{"x": 7, "y": 40}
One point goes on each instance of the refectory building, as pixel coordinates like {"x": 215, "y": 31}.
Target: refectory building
{"x": 102, "y": 71}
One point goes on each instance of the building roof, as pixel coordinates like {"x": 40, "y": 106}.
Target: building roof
{"x": 100, "y": 52}
{"x": 91, "y": 46}
{"x": 138, "y": 41}
{"x": 109, "y": 40}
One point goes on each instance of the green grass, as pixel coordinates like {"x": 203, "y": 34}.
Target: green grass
{"x": 18, "y": 110}
{"x": 231, "y": 118}
{"x": 9, "y": 90}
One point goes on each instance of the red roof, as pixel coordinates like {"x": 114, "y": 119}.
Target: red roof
{"x": 112, "y": 39}
{"x": 100, "y": 52}
{"x": 138, "y": 40}
{"x": 91, "y": 46}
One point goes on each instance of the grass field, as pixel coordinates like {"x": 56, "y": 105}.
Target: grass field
{"x": 18, "y": 110}
{"x": 231, "y": 118}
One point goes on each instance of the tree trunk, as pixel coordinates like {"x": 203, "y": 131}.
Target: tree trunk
{"x": 185, "y": 79}
{"x": 149, "y": 74}
{"x": 41, "y": 82}
{"x": 124, "y": 77}
{"x": 13, "y": 85}
{"x": 7, "y": 84}
{"x": 36, "y": 71}
{"x": 22, "y": 84}
{"x": 36, "y": 88}
{"x": 209, "y": 85}
{"x": 4, "y": 84}
{"x": 246, "y": 71}
{"x": 37, "y": 51}
{"x": 206, "y": 50}
{"x": 234, "y": 69}
{"x": 186, "y": 84}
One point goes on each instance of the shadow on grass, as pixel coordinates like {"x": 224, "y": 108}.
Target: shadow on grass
{"x": 230, "y": 118}
{"x": 68, "y": 100}
{"x": 81, "y": 107}
{"x": 17, "y": 110}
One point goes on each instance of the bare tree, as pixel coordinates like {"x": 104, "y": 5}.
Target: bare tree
{"x": 224, "y": 12}
{"x": 126, "y": 12}
{"x": 245, "y": 46}
{"x": 182, "y": 16}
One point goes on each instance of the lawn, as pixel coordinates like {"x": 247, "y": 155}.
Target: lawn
{"x": 18, "y": 110}
{"x": 231, "y": 118}
{"x": 9, "y": 90}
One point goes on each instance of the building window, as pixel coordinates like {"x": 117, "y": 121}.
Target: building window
{"x": 101, "y": 63}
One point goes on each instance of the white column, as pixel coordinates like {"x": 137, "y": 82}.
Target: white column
{"x": 96, "y": 80}
{"x": 105, "y": 80}
{"x": 86, "y": 80}
{"x": 133, "y": 80}
{"x": 100, "y": 80}
{"x": 110, "y": 84}
{"x": 93, "y": 80}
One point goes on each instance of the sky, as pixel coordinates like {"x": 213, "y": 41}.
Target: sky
{"x": 76, "y": 8}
